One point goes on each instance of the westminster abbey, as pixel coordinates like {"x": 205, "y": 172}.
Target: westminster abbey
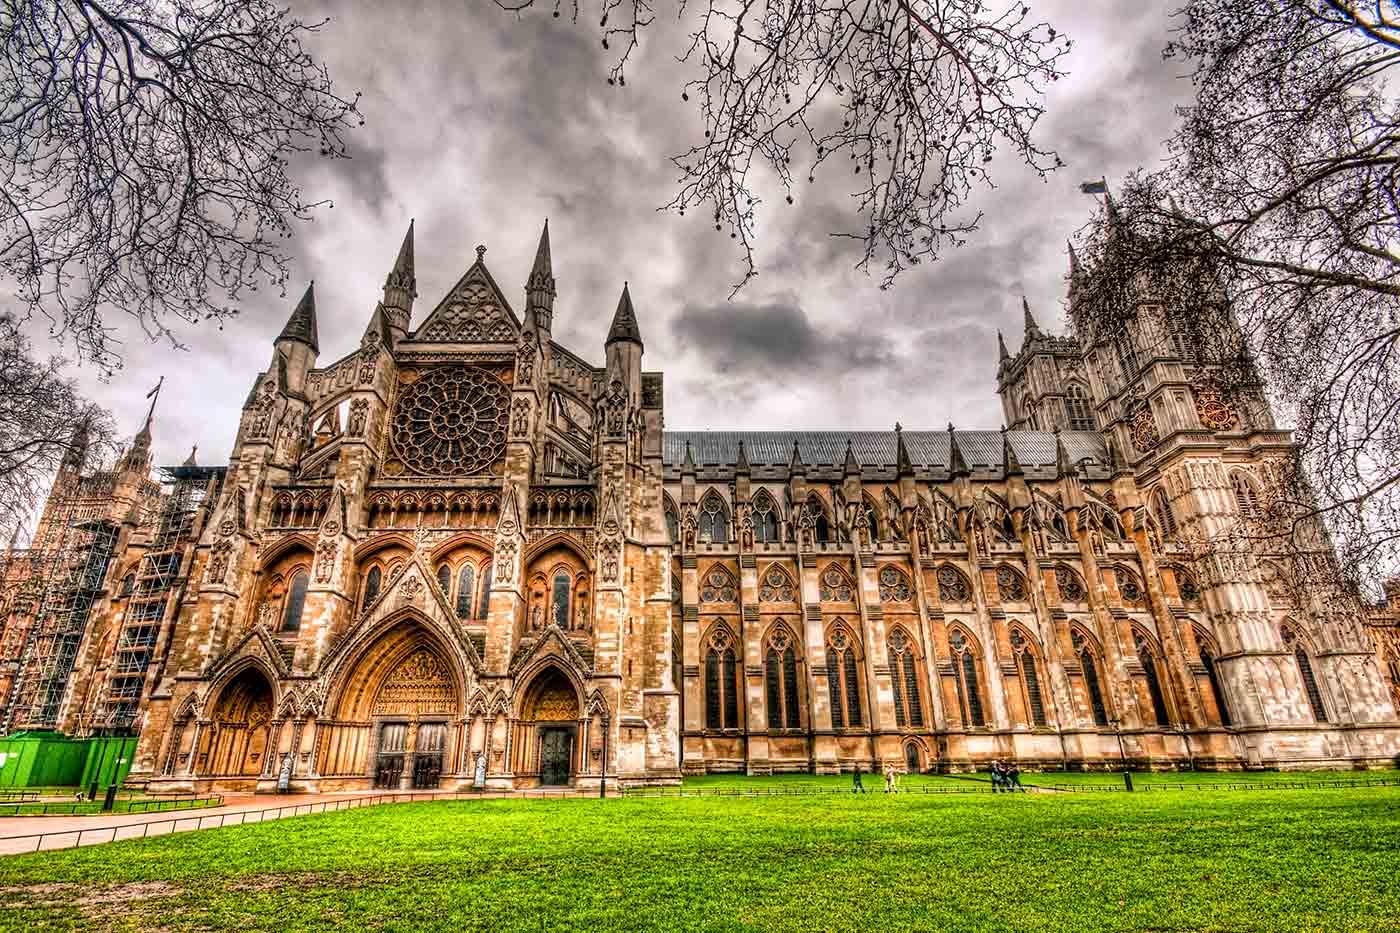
{"x": 461, "y": 553}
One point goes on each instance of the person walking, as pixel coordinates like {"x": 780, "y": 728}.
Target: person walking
{"x": 856, "y": 787}
{"x": 1013, "y": 778}
{"x": 889, "y": 778}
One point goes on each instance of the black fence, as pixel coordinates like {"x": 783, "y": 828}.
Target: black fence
{"x": 73, "y": 838}
{"x": 35, "y": 807}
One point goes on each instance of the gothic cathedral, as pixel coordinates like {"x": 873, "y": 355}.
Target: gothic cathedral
{"x": 462, "y": 554}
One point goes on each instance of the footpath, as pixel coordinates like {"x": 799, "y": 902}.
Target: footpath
{"x": 23, "y": 834}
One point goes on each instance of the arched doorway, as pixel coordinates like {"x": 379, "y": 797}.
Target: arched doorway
{"x": 911, "y": 758}
{"x": 551, "y": 711}
{"x": 397, "y": 719}
{"x": 240, "y": 727}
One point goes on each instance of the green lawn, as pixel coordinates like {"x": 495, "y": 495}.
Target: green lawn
{"x": 1267, "y": 860}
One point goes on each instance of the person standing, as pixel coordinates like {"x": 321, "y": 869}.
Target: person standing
{"x": 856, "y": 787}
{"x": 889, "y": 778}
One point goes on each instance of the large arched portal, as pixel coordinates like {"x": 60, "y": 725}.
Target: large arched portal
{"x": 548, "y": 728}
{"x": 398, "y": 719}
{"x": 240, "y": 728}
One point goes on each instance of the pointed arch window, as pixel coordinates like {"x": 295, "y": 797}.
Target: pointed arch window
{"x": 836, "y": 586}
{"x": 952, "y": 586}
{"x": 1186, "y": 585}
{"x": 444, "y": 579}
{"x": 719, "y": 587}
{"x": 1147, "y": 654}
{"x": 372, "y": 583}
{"x": 843, "y": 679}
{"x": 894, "y": 517}
{"x": 1246, "y": 497}
{"x": 894, "y": 586}
{"x": 1162, "y": 512}
{"x": 721, "y": 682}
{"x": 765, "y": 518}
{"x": 466, "y": 590}
{"x": 559, "y": 598}
{"x": 965, "y": 673}
{"x": 777, "y": 587}
{"x": 821, "y": 527}
{"x": 1010, "y": 585}
{"x": 296, "y": 603}
{"x": 1091, "y": 678}
{"x": 714, "y": 519}
{"x": 483, "y": 609}
{"x": 1030, "y": 677}
{"x": 1217, "y": 688}
{"x": 1070, "y": 586}
{"x": 1078, "y": 415}
{"x": 1305, "y": 669}
{"x": 673, "y": 525}
{"x": 904, "y": 678}
{"x": 780, "y": 675}
{"x": 1129, "y": 588}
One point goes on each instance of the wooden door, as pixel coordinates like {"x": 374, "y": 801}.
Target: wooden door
{"x": 556, "y": 752}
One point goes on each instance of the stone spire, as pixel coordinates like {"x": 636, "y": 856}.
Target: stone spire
{"x": 400, "y": 288}
{"x": 301, "y": 326}
{"x": 624, "y": 322}
{"x": 379, "y": 329}
{"x": 539, "y": 288}
{"x": 403, "y": 275}
{"x": 1032, "y": 328}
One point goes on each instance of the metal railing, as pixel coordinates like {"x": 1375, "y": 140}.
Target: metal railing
{"x": 35, "y": 807}
{"x": 73, "y": 838}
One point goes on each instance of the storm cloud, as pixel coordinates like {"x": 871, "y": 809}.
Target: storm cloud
{"x": 480, "y": 125}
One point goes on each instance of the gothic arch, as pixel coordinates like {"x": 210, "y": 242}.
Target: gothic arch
{"x": 1152, "y": 659}
{"x": 462, "y": 539}
{"x": 767, "y": 517}
{"x": 835, "y": 583}
{"x": 536, "y": 676}
{"x": 375, "y": 651}
{"x": 953, "y": 585}
{"x": 1030, "y": 668}
{"x": 895, "y": 584}
{"x": 284, "y": 546}
{"x": 906, "y": 676}
{"x": 718, "y": 585}
{"x": 716, "y": 525}
{"x": 560, "y": 539}
{"x": 1011, "y": 584}
{"x": 968, "y": 675}
{"x": 1092, "y": 667}
{"x": 776, "y": 585}
{"x": 214, "y": 693}
{"x": 874, "y": 517}
{"x": 380, "y": 542}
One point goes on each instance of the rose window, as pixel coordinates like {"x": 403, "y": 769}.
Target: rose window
{"x": 893, "y": 586}
{"x": 451, "y": 422}
{"x": 718, "y": 588}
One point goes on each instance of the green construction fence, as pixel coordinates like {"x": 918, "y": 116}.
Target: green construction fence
{"x": 52, "y": 759}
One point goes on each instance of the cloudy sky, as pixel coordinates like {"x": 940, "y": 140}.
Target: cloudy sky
{"x": 481, "y": 126}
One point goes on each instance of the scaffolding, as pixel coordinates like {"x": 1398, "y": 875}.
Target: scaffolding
{"x": 67, "y": 568}
{"x": 135, "y": 666}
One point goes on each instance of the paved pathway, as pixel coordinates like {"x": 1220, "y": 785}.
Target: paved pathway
{"x": 21, "y": 834}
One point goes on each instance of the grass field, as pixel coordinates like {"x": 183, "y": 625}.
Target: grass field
{"x": 1320, "y": 859}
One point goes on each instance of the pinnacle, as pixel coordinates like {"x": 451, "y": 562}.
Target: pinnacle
{"x": 624, "y": 322}
{"x": 403, "y": 276}
{"x": 903, "y": 463}
{"x": 796, "y": 464}
{"x": 850, "y": 465}
{"x": 1002, "y": 353}
{"x": 956, "y": 464}
{"x": 742, "y": 464}
{"x": 1032, "y": 328}
{"x": 542, "y": 272}
{"x": 1010, "y": 463}
{"x": 301, "y": 326}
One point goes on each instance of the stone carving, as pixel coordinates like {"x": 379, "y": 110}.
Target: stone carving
{"x": 615, "y": 410}
{"x": 359, "y": 415}
{"x": 777, "y": 587}
{"x": 421, "y": 684}
{"x": 368, "y": 357}
{"x": 520, "y": 418}
{"x": 610, "y": 551}
{"x": 894, "y": 586}
{"x": 472, "y": 316}
{"x": 505, "y": 562}
{"x": 411, "y": 587}
{"x": 218, "y": 562}
{"x": 451, "y": 422}
{"x": 325, "y": 560}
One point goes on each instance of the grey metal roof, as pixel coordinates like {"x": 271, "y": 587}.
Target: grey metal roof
{"x": 927, "y": 449}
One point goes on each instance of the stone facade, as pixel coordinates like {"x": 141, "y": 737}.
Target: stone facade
{"x": 461, "y": 554}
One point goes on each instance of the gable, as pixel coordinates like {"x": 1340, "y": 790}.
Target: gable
{"x": 474, "y": 311}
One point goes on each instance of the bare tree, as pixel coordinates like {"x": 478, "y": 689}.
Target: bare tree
{"x": 908, "y": 98}
{"x": 144, "y": 148}
{"x": 44, "y": 422}
{"x": 1271, "y": 236}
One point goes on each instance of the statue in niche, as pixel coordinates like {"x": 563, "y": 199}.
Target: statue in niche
{"x": 581, "y": 617}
